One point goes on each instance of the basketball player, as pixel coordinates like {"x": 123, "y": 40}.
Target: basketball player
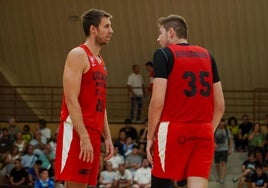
{"x": 83, "y": 113}
{"x": 186, "y": 106}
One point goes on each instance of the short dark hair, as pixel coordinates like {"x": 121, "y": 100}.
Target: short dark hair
{"x": 42, "y": 170}
{"x": 38, "y": 162}
{"x": 178, "y": 23}
{"x": 149, "y": 63}
{"x": 93, "y": 17}
{"x": 127, "y": 121}
{"x": 42, "y": 122}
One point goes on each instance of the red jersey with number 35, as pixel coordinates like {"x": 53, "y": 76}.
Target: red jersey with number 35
{"x": 189, "y": 93}
{"x": 92, "y": 96}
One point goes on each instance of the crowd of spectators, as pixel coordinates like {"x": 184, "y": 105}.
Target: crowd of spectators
{"x": 28, "y": 159}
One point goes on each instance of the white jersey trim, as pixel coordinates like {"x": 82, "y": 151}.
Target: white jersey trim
{"x": 66, "y": 142}
{"x": 162, "y": 141}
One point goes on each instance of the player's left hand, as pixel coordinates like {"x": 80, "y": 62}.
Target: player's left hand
{"x": 109, "y": 149}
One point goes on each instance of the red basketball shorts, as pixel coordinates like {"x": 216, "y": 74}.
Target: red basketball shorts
{"x": 183, "y": 150}
{"x": 68, "y": 166}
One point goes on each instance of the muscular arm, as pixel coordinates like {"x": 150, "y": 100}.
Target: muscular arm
{"x": 155, "y": 110}
{"x": 75, "y": 66}
{"x": 218, "y": 104}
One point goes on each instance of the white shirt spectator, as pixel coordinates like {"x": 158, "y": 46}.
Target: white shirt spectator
{"x": 116, "y": 160}
{"x": 45, "y": 134}
{"x": 107, "y": 177}
{"x": 136, "y": 80}
{"x": 143, "y": 175}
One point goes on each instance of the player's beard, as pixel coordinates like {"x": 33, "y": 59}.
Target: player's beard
{"x": 101, "y": 41}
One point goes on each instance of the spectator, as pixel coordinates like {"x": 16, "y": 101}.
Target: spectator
{"x": 107, "y": 176}
{"x": 133, "y": 160}
{"x": 121, "y": 142}
{"x": 142, "y": 178}
{"x": 44, "y": 130}
{"x": 256, "y": 138}
{"x": 233, "y": 127}
{"x": 33, "y": 173}
{"x": 47, "y": 156}
{"x": 150, "y": 69}
{"x": 136, "y": 90}
{"x": 28, "y": 160}
{"x": 129, "y": 130}
{"x": 12, "y": 128}
{"x": 143, "y": 134}
{"x": 116, "y": 159}
{"x": 5, "y": 143}
{"x": 53, "y": 143}
{"x": 44, "y": 181}
{"x": 37, "y": 143}
{"x": 26, "y": 133}
{"x": 20, "y": 143}
{"x": 9, "y": 159}
{"x": 244, "y": 129}
{"x": 123, "y": 177}
{"x": 18, "y": 174}
{"x": 259, "y": 179}
{"x": 223, "y": 141}
{"x": 128, "y": 146}
{"x": 248, "y": 170}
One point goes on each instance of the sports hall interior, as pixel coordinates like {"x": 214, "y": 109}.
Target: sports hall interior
{"x": 36, "y": 36}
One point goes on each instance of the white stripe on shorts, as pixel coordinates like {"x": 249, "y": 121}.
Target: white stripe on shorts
{"x": 67, "y": 139}
{"x": 162, "y": 140}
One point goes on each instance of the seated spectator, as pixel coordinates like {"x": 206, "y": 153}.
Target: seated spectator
{"x": 107, "y": 176}
{"x": 18, "y": 174}
{"x": 265, "y": 161}
{"x": 44, "y": 130}
{"x": 133, "y": 160}
{"x": 26, "y": 133}
{"x": 256, "y": 138}
{"x": 128, "y": 146}
{"x": 29, "y": 158}
{"x": 123, "y": 177}
{"x": 116, "y": 159}
{"x": 120, "y": 142}
{"x": 47, "y": 157}
{"x": 53, "y": 143}
{"x": 248, "y": 170}
{"x": 20, "y": 143}
{"x": 233, "y": 127}
{"x": 142, "y": 150}
{"x": 143, "y": 134}
{"x": 37, "y": 143}
{"x": 259, "y": 179}
{"x": 142, "y": 178}
{"x": 244, "y": 129}
{"x": 12, "y": 128}
{"x": 33, "y": 173}
{"x": 44, "y": 181}
{"x": 9, "y": 160}
{"x": 6, "y": 143}
{"x": 129, "y": 130}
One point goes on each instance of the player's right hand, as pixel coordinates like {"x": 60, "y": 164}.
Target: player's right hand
{"x": 149, "y": 149}
{"x": 86, "y": 149}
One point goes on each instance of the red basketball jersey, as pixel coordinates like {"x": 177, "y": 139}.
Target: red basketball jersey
{"x": 92, "y": 97}
{"x": 189, "y": 94}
